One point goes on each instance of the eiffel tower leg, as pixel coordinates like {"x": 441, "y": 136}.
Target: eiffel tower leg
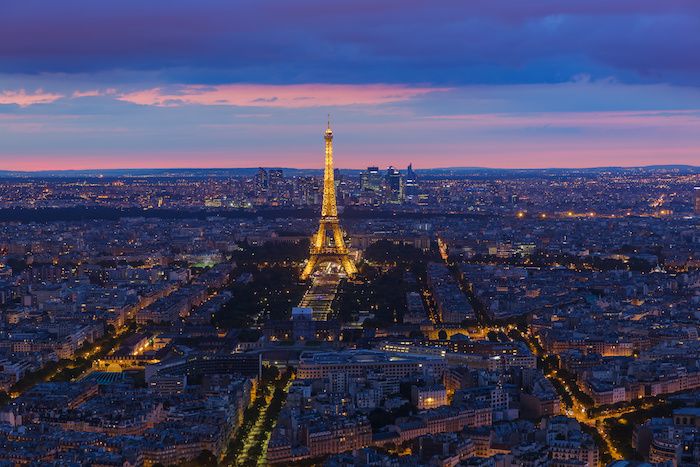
{"x": 309, "y": 268}
{"x": 343, "y": 256}
{"x": 338, "y": 238}
{"x": 319, "y": 240}
{"x": 348, "y": 265}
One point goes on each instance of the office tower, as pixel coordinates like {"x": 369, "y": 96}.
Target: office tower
{"x": 371, "y": 180}
{"x": 261, "y": 180}
{"x": 411, "y": 183}
{"x": 394, "y": 184}
{"x": 275, "y": 181}
{"x": 275, "y": 178}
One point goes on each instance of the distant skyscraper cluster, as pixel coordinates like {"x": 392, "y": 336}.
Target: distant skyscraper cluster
{"x": 371, "y": 180}
{"x": 270, "y": 179}
{"x": 394, "y": 185}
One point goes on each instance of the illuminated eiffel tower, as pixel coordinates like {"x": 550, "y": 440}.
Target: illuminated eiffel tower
{"x": 328, "y": 245}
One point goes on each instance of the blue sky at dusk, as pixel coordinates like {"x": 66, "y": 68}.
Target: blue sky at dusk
{"x": 214, "y": 83}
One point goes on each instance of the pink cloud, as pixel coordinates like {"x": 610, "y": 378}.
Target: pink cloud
{"x": 94, "y": 93}
{"x": 290, "y": 96}
{"x": 90, "y": 93}
{"x": 24, "y": 99}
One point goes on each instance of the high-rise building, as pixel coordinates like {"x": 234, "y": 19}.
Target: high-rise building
{"x": 261, "y": 180}
{"x": 275, "y": 181}
{"x": 696, "y": 191}
{"x": 371, "y": 180}
{"x": 305, "y": 189}
{"x": 275, "y": 177}
{"x": 394, "y": 184}
{"x": 411, "y": 182}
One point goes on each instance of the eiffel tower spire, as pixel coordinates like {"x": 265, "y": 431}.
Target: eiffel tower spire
{"x": 328, "y": 244}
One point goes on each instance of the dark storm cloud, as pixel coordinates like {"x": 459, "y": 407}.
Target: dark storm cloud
{"x": 395, "y": 41}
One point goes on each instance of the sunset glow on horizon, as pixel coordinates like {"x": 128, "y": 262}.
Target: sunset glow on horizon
{"x": 212, "y": 84}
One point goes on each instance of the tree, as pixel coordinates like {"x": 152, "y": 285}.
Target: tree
{"x": 4, "y": 398}
{"x": 270, "y": 373}
{"x": 378, "y": 418}
{"x": 203, "y": 459}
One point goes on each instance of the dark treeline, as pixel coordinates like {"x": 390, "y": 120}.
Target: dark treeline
{"x": 107, "y": 213}
{"x": 541, "y": 259}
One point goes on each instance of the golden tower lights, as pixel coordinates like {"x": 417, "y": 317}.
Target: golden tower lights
{"x": 328, "y": 244}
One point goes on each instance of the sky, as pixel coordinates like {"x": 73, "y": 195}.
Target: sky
{"x": 246, "y": 83}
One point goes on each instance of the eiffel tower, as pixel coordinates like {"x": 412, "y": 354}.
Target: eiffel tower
{"x": 328, "y": 245}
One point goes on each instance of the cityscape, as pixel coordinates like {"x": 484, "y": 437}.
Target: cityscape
{"x": 297, "y": 235}
{"x": 462, "y": 316}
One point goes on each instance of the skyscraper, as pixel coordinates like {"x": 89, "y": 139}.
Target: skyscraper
{"x": 411, "y": 182}
{"x": 371, "y": 180}
{"x": 261, "y": 180}
{"x": 394, "y": 184}
{"x": 696, "y": 191}
{"x": 275, "y": 181}
{"x": 275, "y": 177}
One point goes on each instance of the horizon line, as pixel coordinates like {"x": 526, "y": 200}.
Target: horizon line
{"x": 117, "y": 169}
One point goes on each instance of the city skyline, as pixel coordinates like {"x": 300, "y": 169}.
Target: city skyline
{"x": 581, "y": 84}
{"x": 350, "y": 233}
{"x": 168, "y": 171}
{"x": 194, "y": 317}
